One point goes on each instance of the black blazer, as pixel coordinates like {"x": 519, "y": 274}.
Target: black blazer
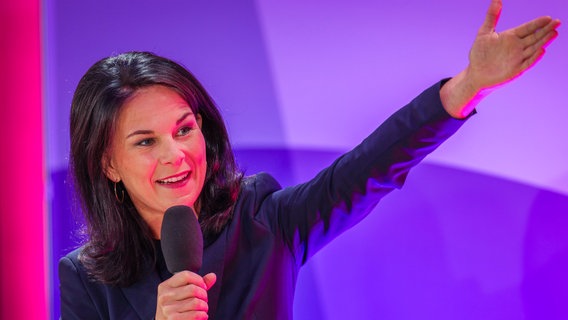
{"x": 274, "y": 231}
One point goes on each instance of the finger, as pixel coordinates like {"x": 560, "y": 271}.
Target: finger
{"x": 186, "y": 306}
{"x": 198, "y": 315}
{"x": 210, "y": 280}
{"x": 542, "y": 40}
{"x": 195, "y": 315}
{"x": 185, "y": 277}
{"x": 550, "y": 36}
{"x": 170, "y": 296}
{"x": 545, "y": 37}
{"x": 529, "y": 28}
{"x": 532, "y": 59}
{"x": 492, "y": 17}
{"x": 190, "y": 291}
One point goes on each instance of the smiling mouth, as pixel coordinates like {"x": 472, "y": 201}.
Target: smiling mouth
{"x": 173, "y": 179}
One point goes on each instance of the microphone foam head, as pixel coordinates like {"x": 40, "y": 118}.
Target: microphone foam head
{"x": 182, "y": 239}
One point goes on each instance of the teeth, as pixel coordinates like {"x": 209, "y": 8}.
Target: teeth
{"x": 172, "y": 180}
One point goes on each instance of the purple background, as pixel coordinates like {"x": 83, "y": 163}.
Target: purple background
{"x": 478, "y": 232}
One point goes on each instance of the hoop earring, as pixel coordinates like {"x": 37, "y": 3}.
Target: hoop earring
{"x": 121, "y": 199}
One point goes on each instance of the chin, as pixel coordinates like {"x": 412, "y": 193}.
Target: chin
{"x": 184, "y": 202}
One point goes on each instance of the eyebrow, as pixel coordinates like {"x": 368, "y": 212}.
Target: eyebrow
{"x": 185, "y": 115}
{"x": 142, "y": 132}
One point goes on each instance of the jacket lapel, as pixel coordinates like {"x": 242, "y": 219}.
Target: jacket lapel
{"x": 214, "y": 261}
{"x": 142, "y": 296}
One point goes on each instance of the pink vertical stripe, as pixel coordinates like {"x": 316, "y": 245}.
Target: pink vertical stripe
{"x": 22, "y": 227}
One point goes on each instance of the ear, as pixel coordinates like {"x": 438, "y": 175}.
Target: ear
{"x": 109, "y": 169}
{"x": 199, "y": 120}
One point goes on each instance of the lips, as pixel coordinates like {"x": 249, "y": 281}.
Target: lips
{"x": 174, "y": 179}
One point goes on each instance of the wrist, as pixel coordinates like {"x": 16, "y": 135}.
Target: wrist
{"x": 461, "y": 94}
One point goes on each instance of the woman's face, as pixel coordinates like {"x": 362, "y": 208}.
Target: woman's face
{"x": 158, "y": 152}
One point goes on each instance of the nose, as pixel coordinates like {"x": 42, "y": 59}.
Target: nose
{"x": 171, "y": 152}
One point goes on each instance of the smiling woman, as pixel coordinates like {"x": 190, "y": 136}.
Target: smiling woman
{"x": 137, "y": 122}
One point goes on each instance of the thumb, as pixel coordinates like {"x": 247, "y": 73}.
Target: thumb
{"x": 209, "y": 280}
{"x": 492, "y": 17}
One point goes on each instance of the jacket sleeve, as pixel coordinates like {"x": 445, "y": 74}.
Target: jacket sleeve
{"x": 76, "y": 303}
{"x": 309, "y": 215}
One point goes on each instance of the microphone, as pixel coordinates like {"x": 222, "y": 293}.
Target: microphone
{"x": 182, "y": 240}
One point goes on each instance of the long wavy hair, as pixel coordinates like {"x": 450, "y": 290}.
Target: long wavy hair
{"x": 120, "y": 249}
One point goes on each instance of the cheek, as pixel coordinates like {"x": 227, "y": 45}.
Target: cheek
{"x": 200, "y": 149}
{"x": 137, "y": 168}
{"x": 203, "y": 161}
{"x": 200, "y": 153}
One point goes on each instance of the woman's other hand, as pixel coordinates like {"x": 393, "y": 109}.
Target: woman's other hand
{"x": 184, "y": 296}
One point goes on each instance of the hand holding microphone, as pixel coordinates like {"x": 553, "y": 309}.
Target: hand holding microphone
{"x": 185, "y": 293}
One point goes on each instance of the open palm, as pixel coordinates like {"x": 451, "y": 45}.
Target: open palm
{"x": 496, "y": 58}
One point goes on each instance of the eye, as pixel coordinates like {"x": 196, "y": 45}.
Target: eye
{"x": 145, "y": 142}
{"x": 184, "y": 131}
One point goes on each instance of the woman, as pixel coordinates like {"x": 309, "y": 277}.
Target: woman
{"x": 146, "y": 136}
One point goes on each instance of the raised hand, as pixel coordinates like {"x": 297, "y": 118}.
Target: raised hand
{"x": 496, "y": 58}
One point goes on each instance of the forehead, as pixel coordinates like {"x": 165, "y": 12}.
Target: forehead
{"x": 152, "y": 104}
